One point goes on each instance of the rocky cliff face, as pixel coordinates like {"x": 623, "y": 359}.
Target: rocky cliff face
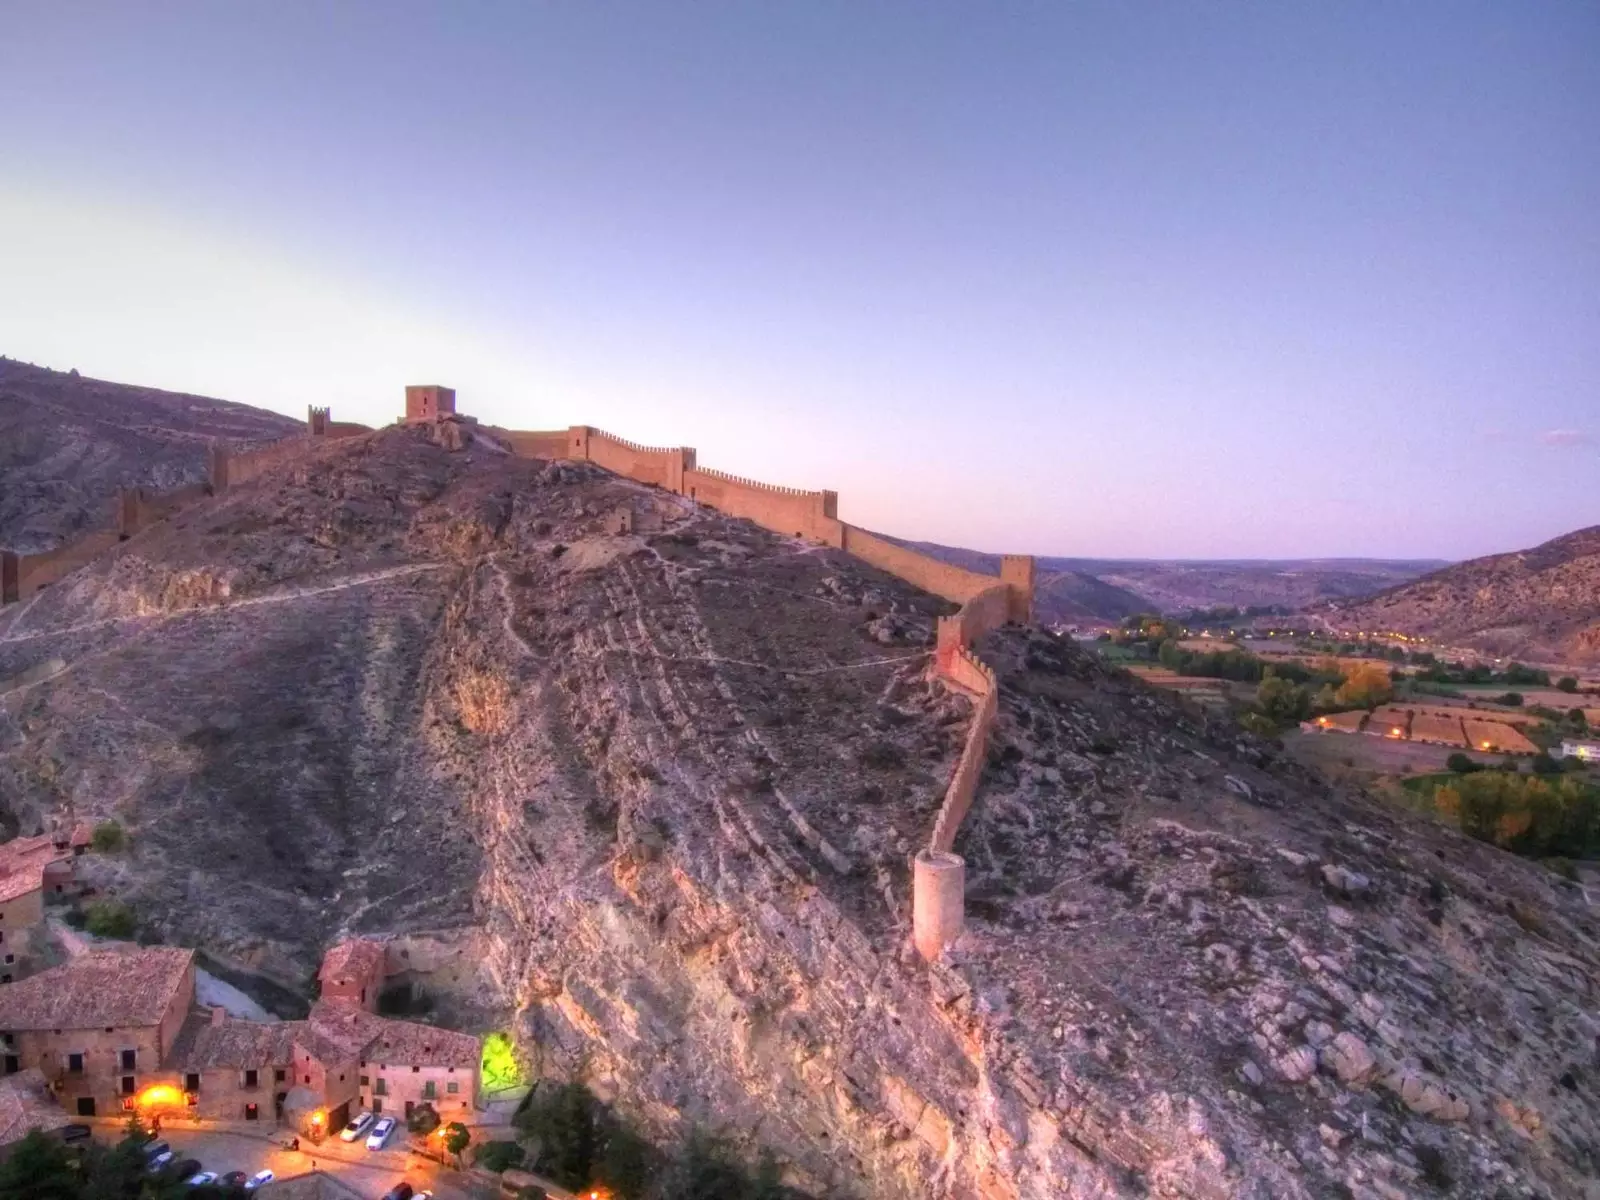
{"x": 67, "y": 443}
{"x": 1541, "y": 604}
{"x": 669, "y": 782}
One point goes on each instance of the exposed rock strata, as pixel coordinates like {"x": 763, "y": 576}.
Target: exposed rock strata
{"x": 672, "y": 779}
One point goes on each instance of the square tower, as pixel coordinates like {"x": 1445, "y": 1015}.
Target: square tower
{"x": 429, "y": 402}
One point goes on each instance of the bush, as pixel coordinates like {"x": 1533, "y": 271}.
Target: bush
{"x": 500, "y": 1156}
{"x": 110, "y": 919}
{"x": 1567, "y": 683}
{"x": 423, "y": 1119}
{"x": 107, "y": 838}
{"x": 1511, "y": 699}
{"x": 1543, "y": 764}
{"x": 1461, "y": 764}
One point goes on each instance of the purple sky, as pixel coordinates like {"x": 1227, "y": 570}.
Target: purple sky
{"x": 1090, "y": 279}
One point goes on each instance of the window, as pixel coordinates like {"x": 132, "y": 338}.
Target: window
{"x": 252, "y": 1112}
{"x": 363, "y": 995}
{"x": 452, "y": 1088}
{"x": 13, "y": 1064}
{"x": 251, "y": 1079}
{"x": 382, "y": 1087}
{"x": 128, "y": 1058}
{"x": 365, "y": 1081}
{"x": 75, "y": 1064}
{"x": 277, "y": 1075}
{"x": 414, "y": 1070}
{"x": 308, "y": 1079}
{"x": 191, "y": 1082}
{"x": 429, "y": 1092}
{"x": 127, "y": 1085}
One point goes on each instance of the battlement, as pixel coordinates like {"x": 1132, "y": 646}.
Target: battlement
{"x": 317, "y": 421}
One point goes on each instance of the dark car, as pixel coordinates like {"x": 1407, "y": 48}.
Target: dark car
{"x": 400, "y": 1191}
{"x": 154, "y": 1150}
{"x": 74, "y": 1133}
{"x": 234, "y": 1180}
{"x": 182, "y": 1168}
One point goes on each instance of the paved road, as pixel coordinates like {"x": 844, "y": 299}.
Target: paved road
{"x": 369, "y": 1173}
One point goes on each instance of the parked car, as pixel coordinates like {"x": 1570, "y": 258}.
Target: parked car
{"x": 400, "y": 1191}
{"x": 159, "y": 1161}
{"x": 358, "y": 1125}
{"x": 380, "y": 1133}
{"x": 182, "y": 1168}
{"x": 203, "y": 1179}
{"x": 74, "y": 1133}
{"x": 257, "y": 1180}
{"x": 233, "y": 1179}
{"x": 154, "y": 1149}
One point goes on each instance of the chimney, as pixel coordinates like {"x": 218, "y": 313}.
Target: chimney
{"x": 218, "y": 1014}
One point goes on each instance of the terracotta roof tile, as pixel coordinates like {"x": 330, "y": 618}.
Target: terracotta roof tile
{"x": 22, "y": 864}
{"x": 203, "y": 1045}
{"x": 26, "y": 1104}
{"x": 125, "y": 988}
{"x": 354, "y": 958}
{"x": 404, "y": 1043}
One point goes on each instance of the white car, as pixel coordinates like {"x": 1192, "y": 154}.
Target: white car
{"x": 380, "y": 1133}
{"x": 160, "y": 1160}
{"x": 358, "y": 1125}
{"x": 259, "y": 1179}
{"x": 201, "y": 1180}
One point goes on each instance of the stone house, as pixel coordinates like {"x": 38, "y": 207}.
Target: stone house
{"x": 26, "y": 1106}
{"x": 352, "y": 972}
{"x": 405, "y": 1064}
{"x": 99, "y": 1028}
{"x": 230, "y": 1070}
{"x": 32, "y": 871}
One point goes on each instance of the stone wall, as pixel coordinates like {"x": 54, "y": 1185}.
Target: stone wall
{"x": 789, "y": 511}
{"x": 955, "y": 584}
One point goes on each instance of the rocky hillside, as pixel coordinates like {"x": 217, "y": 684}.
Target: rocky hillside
{"x": 666, "y": 782}
{"x": 1541, "y": 604}
{"x": 67, "y": 443}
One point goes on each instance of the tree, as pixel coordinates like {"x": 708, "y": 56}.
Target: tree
{"x": 457, "y": 1137}
{"x": 1367, "y": 685}
{"x": 424, "y": 1119}
{"x": 563, "y": 1120}
{"x": 1461, "y": 764}
{"x": 498, "y": 1156}
{"x": 705, "y": 1172}
{"x": 110, "y": 919}
{"x": 1511, "y": 699}
{"x": 107, "y": 838}
{"x": 1567, "y": 683}
{"x": 1543, "y": 764}
{"x": 626, "y": 1162}
{"x": 1282, "y": 701}
{"x": 39, "y": 1168}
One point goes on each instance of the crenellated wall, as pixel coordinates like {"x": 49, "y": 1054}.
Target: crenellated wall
{"x": 36, "y": 572}
{"x": 660, "y": 466}
{"x": 790, "y": 511}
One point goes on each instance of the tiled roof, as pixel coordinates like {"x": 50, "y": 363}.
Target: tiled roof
{"x": 22, "y": 864}
{"x": 357, "y": 958}
{"x": 26, "y": 1104}
{"x": 104, "y": 988}
{"x": 203, "y": 1045}
{"x": 403, "y": 1043}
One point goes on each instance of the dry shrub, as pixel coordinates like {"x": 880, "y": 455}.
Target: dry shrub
{"x": 484, "y": 702}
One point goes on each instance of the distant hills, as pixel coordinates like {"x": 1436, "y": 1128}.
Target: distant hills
{"x": 1082, "y": 590}
{"x": 1541, "y": 604}
{"x": 68, "y": 442}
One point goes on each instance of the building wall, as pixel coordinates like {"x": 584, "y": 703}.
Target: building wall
{"x": 19, "y": 918}
{"x": 224, "y": 1096}
{"x": 102, "y": 1073}
{"x": 403, "y": 1084}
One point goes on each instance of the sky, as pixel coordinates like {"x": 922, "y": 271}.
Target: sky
{"x": 1090, "y": 279}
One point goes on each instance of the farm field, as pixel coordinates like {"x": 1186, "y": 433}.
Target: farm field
{"x": 1369, "y": 757}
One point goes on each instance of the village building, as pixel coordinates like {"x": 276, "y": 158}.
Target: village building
{"x": 33, "y": 870}
{"x": 1579, "y": 749}
{"x": 352, "y": 972}
{"x": 119, "y": 1029}
{"x": 99, "y": 1027}
{"x": 27, "y": 1106}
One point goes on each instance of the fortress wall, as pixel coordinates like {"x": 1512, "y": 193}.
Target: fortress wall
{"x": 789, "y": 511}
{"x": 921, "y": 570}
{"x": 37, "y": 571}
{"x": 968, "y": 671}
{"x": 644, "y": 464}
{"x": 243, "y": 467}
{"x": 535, "y": 444}
{"x": 344, "y": 429}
